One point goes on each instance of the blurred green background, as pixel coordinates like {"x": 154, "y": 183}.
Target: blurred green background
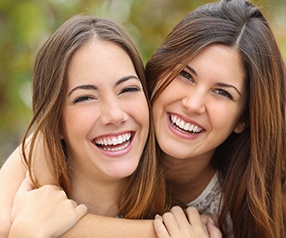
{"x": 26, "y": 24}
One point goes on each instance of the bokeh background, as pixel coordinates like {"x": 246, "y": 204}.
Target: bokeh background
{"x": 26, "y": 24}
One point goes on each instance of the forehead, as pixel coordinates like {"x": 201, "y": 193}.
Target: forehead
{"x": 99, "y": 61}
{"x": 219, "y": 62}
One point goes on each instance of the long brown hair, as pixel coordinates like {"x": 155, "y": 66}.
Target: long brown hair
{"x": 251, "y": 165}
{"x": 144, "y": 194}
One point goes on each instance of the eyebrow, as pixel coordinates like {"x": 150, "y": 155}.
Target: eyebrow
{"x": 94, "y": 87}
{"x": 219, "y": 84}
{"x": 229, "y": 86}
{"x": 192, "y": 70}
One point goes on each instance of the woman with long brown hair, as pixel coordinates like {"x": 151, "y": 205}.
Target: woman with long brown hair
{"x": 92, "y": 114}
{"x": 250, "y": 161}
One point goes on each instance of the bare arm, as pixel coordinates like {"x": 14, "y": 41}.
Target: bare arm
{"x": 106, "y": 227}
{"x": 12, "y": 174}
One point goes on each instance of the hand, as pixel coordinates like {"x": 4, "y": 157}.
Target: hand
{"x": 211, "y": 223}
{"x": 43, "y": 212}
{"x": 177, "y": 224}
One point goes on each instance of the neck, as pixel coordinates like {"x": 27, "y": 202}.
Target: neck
{"x": 188, "y": 177}
{"x": 100, "y": 197}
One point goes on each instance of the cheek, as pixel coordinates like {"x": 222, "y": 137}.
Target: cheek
{"x": 76, "y": 123}
{"x": 162, "y": 100}
{"x": 174, "y": 92}
{"x": 144, "y": 109}
{"x": 224, "y": 117}
{"x": 138, "y": 109}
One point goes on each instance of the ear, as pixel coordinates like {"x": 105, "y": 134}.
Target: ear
{"x": 240, "y": 127}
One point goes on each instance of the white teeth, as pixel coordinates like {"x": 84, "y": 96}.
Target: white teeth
{"x": 117, "y": 148}
{"x": 186, "y": 126}
{"x": 115, "y": 140}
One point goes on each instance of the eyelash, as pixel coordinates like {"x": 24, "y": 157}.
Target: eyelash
{"x": 130, "y": 90}
{"x": 223, "y": 93}
{"x": 81, "y": 99}
{"x": 87, "y": 98}
{"x": 187, "y": 75}
{"x": 219, "y": 91}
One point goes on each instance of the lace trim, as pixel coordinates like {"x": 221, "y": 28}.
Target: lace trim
{"x": 208, "y": 201}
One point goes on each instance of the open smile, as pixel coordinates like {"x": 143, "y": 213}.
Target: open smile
{"x": 114, "y": 143}
{"x": 184, "y": 126}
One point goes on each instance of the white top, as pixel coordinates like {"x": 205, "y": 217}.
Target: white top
{"x": 208, "y": 202}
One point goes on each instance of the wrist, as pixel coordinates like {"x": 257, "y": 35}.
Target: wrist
{"x": 24, "y": 230}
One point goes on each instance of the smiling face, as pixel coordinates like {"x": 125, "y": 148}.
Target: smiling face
{"x": 105, "y": 117}
{"x": 202, "y": 105}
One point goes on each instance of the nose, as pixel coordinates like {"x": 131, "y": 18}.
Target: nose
{"x": 195, "y": 102}
{"x": 113, "y": 113}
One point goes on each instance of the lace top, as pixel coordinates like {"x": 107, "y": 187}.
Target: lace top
{"x": 208, "y": 202}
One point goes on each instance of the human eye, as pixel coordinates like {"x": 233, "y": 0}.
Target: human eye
{"x": 130, "y": 89}
{"x": 82, "y": 99}
{"x": 186, "y": 75}
{"x": 223, "y": 93}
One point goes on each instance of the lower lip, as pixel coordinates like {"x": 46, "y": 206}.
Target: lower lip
{"x": 180, "y": 133}
{"x": 118, "y": 153}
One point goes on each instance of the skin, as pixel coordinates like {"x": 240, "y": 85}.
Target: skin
{"x": 212, "y": 98}
{"x": 175, "y": 224}
{"x": 105, "y": 101}
{"x": 54, "y": 212}
{"x": 102, "y": 103}
{"x": 44, "y": 210}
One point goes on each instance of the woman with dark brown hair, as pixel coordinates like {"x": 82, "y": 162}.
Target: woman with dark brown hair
{"x": 223, "y": 62}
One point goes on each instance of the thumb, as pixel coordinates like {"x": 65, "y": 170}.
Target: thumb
{"x": 213, "y": 230}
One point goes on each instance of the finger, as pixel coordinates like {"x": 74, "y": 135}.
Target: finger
{"x": 193, "y": 216}
{"x": 213, "y": 231}
{"x": 204, "y": 219}
{"x": 180, "y": 217}
{"x": 159, "y": 227}
{"x": 81, "y": 210}
{"x": 171, "y": 224}
{"x": 74, "y": 203}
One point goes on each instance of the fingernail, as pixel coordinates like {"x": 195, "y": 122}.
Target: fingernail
{"x": 211, "y": 221}
{"x": 157, "y": 216}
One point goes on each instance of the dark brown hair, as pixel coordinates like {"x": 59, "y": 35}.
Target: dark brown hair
{"x": 251, "y": 165}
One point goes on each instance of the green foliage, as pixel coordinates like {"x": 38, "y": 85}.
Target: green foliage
{"x": 25, "y": 25}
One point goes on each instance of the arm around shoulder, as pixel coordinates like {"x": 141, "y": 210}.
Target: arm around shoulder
{"x": 107, "y": 227}
{"x": 12, "y": 174}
